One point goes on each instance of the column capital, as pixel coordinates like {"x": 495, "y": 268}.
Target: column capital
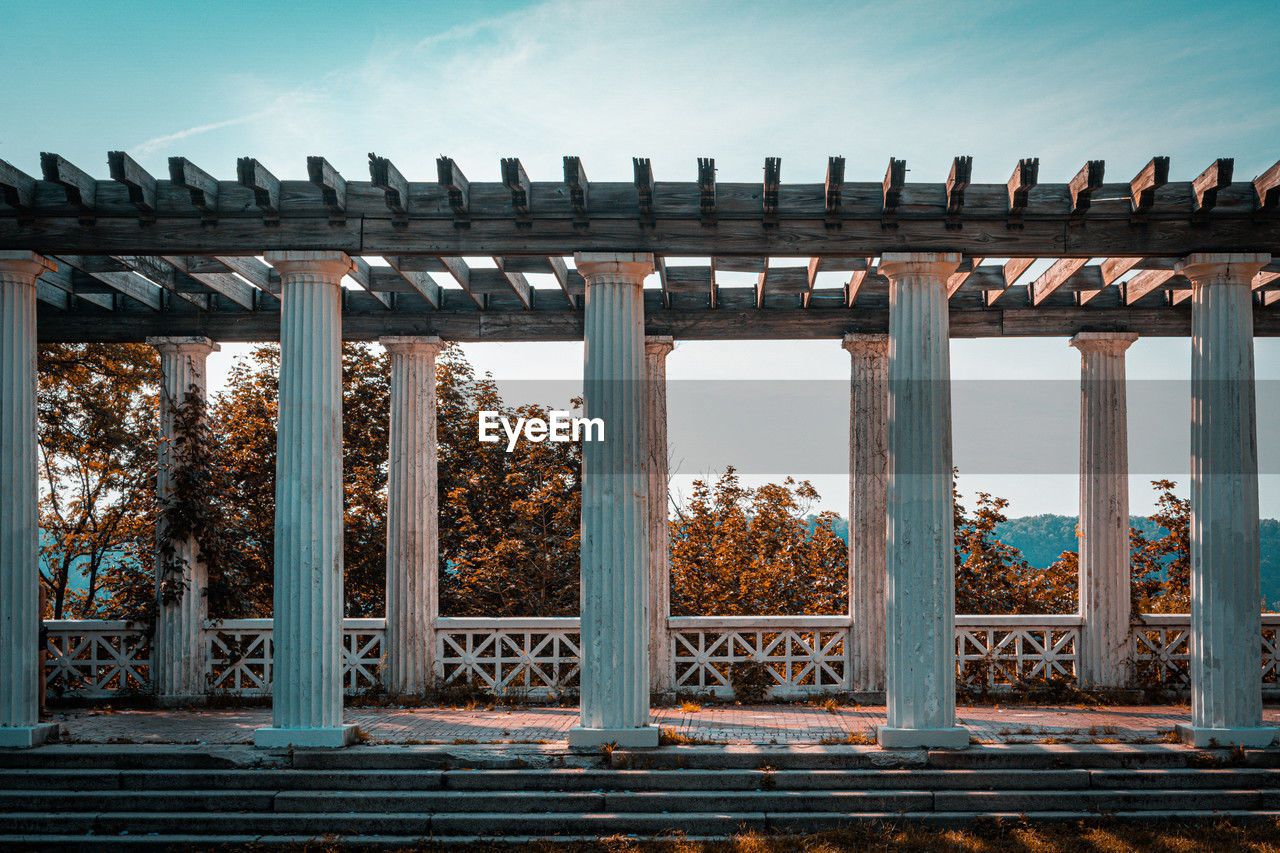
{"x": 866, "y": 344}
{"x": 1224, "y": 267}
{"x": 411, "y": 344}
{"x": 329, "y": 264}
{"x": 628, "y": 265}
{"x": 1113, "y": 343}
{"x": 26, "y": 264}
{"x": 194, "y": 345}
{"x": 898, "y": 264}
{"x": 658, "y": 344}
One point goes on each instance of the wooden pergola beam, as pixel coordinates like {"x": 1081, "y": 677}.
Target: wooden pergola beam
{"x": 575, "y": 178}
{"x": 833, "y": 190}
{"x": 1024, "y": 178}
{"x": 515, "y": 179}
{"x": 895, "y": 177}
{"x": 519, "y": 284}
{"x": 80, "y": 188}
{"x": 141, "y": 185}
{"x": 17, "y": 188}
{"x": 1083, "y": 185}
{"x": 1204, "y": 189}
{"x": 226, "y": 284}
{"x": 1144, "y": 283}
{"x": 957, "y": 183}
{"x": 458, "y": 188}
{"x": 771, "y": 190}
{"x": 1053, "y": 278}
{"x": 1142, "y": 189}
{"x": 644, "y": 189}
{"x": 333, "y": 187}
{"x": 421, "y": 282}
{"x": 707, "y": 189}
{"x": 362, "y": 274}
{"x": 265, "y": 186}
{"x": 1266, "y": 187}
{"x": 395, "y": 189}
{"x": 203, "y": 189}
{"x": 125, "y": 282}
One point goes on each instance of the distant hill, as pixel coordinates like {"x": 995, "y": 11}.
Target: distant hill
{"x": 1041, "y": 538}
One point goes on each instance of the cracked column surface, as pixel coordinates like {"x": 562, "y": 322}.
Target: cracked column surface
{"x": 306, "y": 675}
{"x": 21, "y": 679}
{"x": 661, "y": 673}
{"x": 1226, "y": 583}
{"x": 920, "y": 547}
{"x": 615, "y": 548}
{"x": 182, "y": 605}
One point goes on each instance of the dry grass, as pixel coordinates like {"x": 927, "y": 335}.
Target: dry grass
{"x": 864, "y": 738}
{"x": 988, "y": 836}
{"x": 668, "y": 736}
{"x": 690, "y": 707}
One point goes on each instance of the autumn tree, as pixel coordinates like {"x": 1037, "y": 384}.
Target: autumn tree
{"x": 993, "y": 577}
{"x": 743, "y": 551}
{"x": 1161, "y": 565}
{"x": 97, "y": 444}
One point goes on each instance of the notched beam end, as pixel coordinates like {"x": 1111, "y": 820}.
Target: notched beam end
{"x": 1083, "y": 185}
{"x": 644, "y": 188}
{"x": 1142, "y": 189}
{"x": 1024, "y": 179}
{"x": 395, "y": 189}
{"x": 894, "y": 179}
{"x": 201, "y": 186}
{"x": 333, "y": 187}
{"x": 707, "y": 189}
{"x": 833, "y": 191}
{"x": 141, "y": 185}
{"x": 575, "y": 177}
{"x": 957, "y": 183}
{"x": 458, "y": 188}
{"x": 253, "y": 176}
{"x": 772, "y": 185}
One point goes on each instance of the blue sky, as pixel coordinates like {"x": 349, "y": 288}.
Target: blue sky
{"x": 917, "y": 79}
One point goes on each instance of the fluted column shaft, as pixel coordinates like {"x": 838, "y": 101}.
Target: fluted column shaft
{"x": 1104, "y": 509}
{"x": 412, "y": 516}
{"x": 659, "y": 537}
{"x": 306, "y": 688}
{"x": 615, "y": 552}
{"x": 21, "y": 682}
{"x": 920, "y": 557}
{"x": 177, "y": 651}
{"x": 1226, "y": 594}
{"x": 868, "y": 482}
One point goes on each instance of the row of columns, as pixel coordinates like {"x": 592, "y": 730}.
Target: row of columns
{"x": 901, "y": 544}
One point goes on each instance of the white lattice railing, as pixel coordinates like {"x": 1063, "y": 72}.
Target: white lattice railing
{"x": 994, "y": 652}
{"x": 802, "y": 654}
{"x": 533, "y": 657}
{"x": 539, "y": 658}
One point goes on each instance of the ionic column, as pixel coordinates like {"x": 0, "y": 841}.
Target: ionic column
{"x": 1226, "y": 594}
{"x": 1104, "y": 509}
{"x": 655, "y": 460}
{"x": 615, "y": 552}
{"x": 920, "y": 555}
{"x": 412, "y": 516}
{"x": 177, "y": 652}
{"x": 868, "y": 480}
{"x": 306, "y": 699}
{"x": 21, "y": 682}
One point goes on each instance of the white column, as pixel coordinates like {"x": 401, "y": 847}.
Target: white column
{"x": 306, "y": 674}
{"x": 177, "y": 651}
{"x": 656, "y": 349}
{"x": 1104, "y": 509}
{"x": 868, "y": 480}
{"x": 615, "y": 553}
{"x": 920, "y": 555}
{"x": 21, "y": 682}
{"x": 1226, "y": 594}
{"x": 412, "y": 516}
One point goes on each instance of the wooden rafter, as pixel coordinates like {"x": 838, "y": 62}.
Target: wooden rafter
{"x": 575, "y": 177}
{"x": 515, "y": 179}
{"x": 333, "y": 187}
{"x": 1053, "y": 278}
{"x": 420, "y": 281}
{"x": 17, "y": 188}
{"x": 644, "y": 189}
{"x": 203, "y": 189}
{"x": 957, "y": 183}
{"x": 458, "y": 188}
{"x": 1204, "y": 189}
{"x": 137, "y": 180}
{"x": 1083, "y": 185}
{"x": 80, "y": 188}
{"x": 1024, "y": 179}
{"x": 1142, "y": 189}
{"x": 707, "y": 189}
{"x": 895, "y": 177}
{"x": 833, "y": 189}
{"x": 265, "y": 186}
{"x": 771, "y": 191}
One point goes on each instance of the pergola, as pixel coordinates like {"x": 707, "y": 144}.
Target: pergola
{"x": 176, "y": 263}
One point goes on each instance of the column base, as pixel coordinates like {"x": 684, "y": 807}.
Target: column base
{"x": 581, "y": 737}
{"x": 1201, "y": 738}
{"x": 953, "y": 737}
{"x": 271, "y": 737}
{"x": 25, "y": 737}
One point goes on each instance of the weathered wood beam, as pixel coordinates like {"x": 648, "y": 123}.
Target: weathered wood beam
{"x": 957, "y": 279}
{"x": 1023, "y": 180}
{"x": 561, "y": 272}
{"x": 519, "y": 284}
{"x": 1088, "y": 286}
{"x": 707, "y": 189}
{"x": 782, "y": 280}
{"x": 1266, "y": 188}
{"x": 1142, "y": 189}
{"x": 1204, "y": 189}
{"x": 1145, "y": 282}
{"x": 461, "y": 273}
{"x": 895, "y": 177}
{"x": 421, "y": 282}
{"x": 127, "y": 283}
{"x": 202, "y": 188}
{"x": 63, "y": 279}
{"x": 772, "y": 185}
{"x": 333, "y": 187}
{"x": 395, "y": 189}
{"x": 1265, "y": 279}
{"x": 833, "y": 189}
{"x": 515, "y": 179}
{"x": 575, "y": 177}
{"x": 644, "y": 189}
{"x": 458, "y": 188}
{"x": 957, "y": 183}
{"x": 1113, "y": 268}
{"x": 1010, "y": 273}
{"x": 1083, "y": 185}
{"x": 225, "y": 283}
{"x": 362, "y": 274}
{"x": 1053, "y": 278}
{"x": 17, "y": 188}
{"x": 257, "y": 273}
{"x": 857, "y": 278}
{"x": 141, "y": 185}
{"x": 253, "y": 176}
{"x": 81, "y": 189}
{"x": 162, "y": 273}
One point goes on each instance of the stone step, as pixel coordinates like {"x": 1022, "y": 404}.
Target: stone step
{"x": 137, "y": 757}
{"x": 155, "y": 801}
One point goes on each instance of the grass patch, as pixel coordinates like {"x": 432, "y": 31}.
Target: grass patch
{"x": 863, "y": 738}
{"x": 668, "y": 736}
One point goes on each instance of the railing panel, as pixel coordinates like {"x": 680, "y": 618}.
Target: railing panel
{"x": 96, "y": 658}
{"x": 799, "y": 661}
{"x": 525, "y": 657}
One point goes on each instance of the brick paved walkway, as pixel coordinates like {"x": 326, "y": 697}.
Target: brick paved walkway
{"x": 718, "y": 723}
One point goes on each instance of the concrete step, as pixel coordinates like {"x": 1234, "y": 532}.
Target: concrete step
{"x": 394, "y": 802}
{"x": 138, "y": 756}
{"x": 156, "y": 801}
